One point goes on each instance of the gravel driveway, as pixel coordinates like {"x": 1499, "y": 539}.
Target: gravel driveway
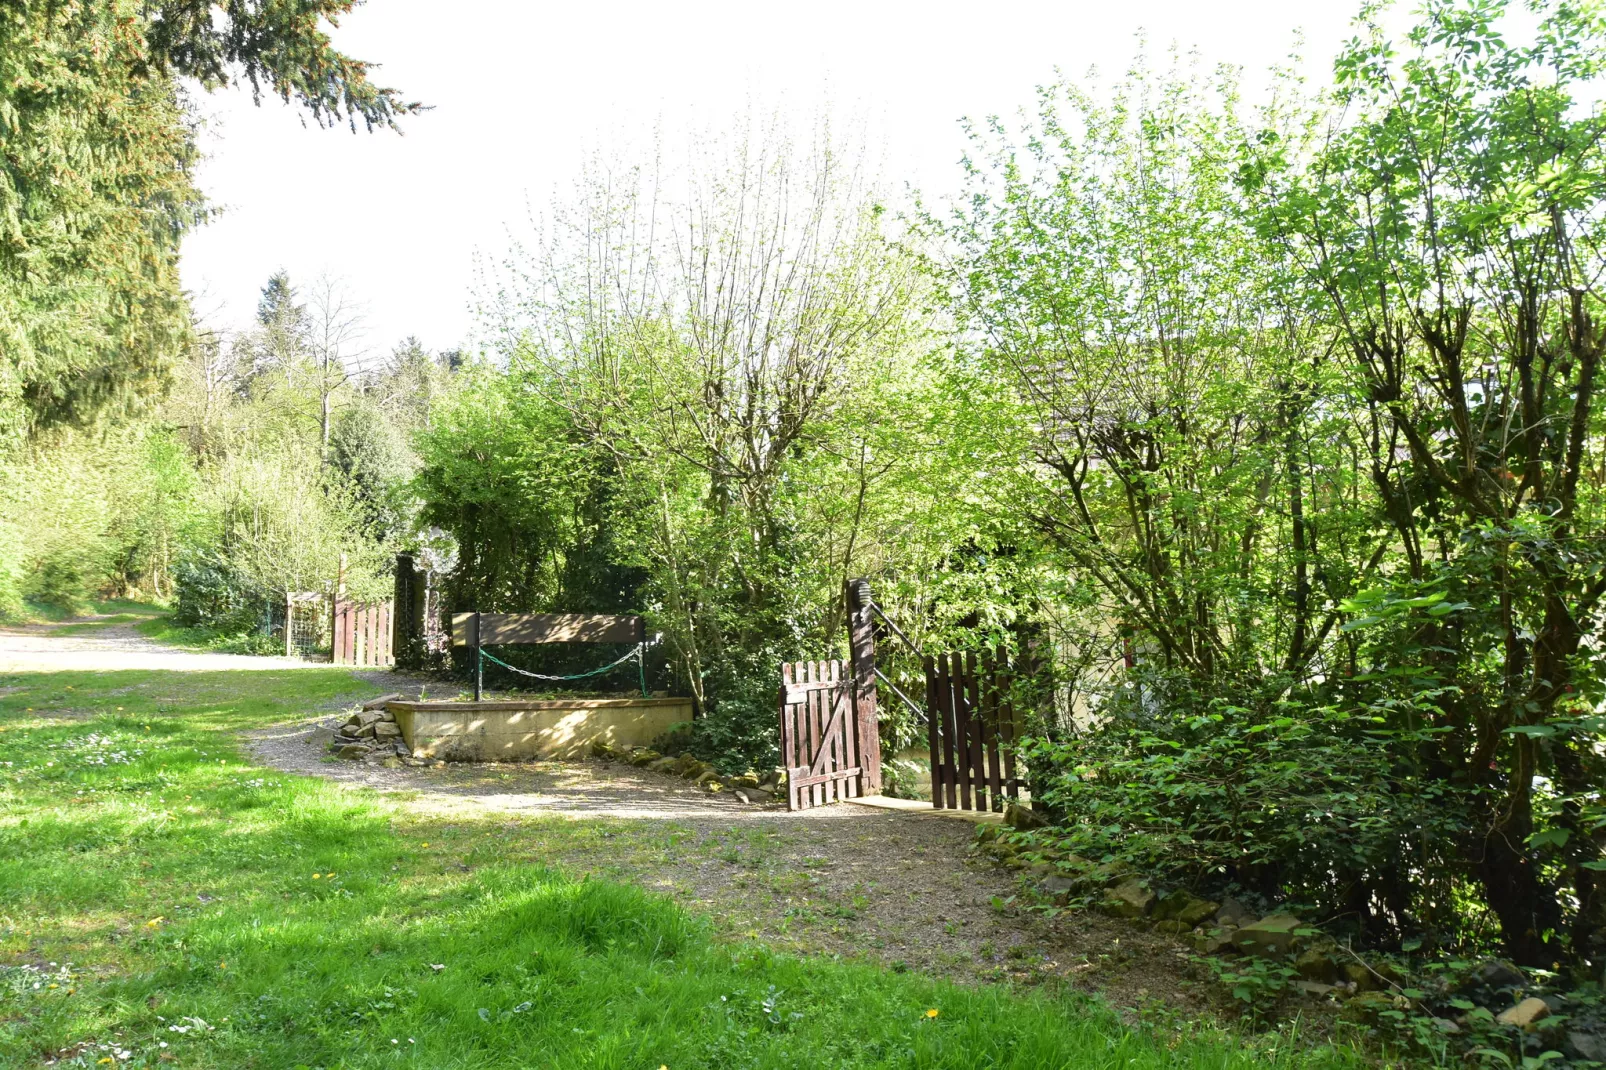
{"x": 35, "y": 648}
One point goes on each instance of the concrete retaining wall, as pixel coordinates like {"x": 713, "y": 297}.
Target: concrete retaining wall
{"x": 566, "y": 728}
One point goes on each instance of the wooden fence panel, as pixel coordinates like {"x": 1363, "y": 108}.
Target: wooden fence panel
{"x": 362, "y": 635}
{"x": 972, "y": 730}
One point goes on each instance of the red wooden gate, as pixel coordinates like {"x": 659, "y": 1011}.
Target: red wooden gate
{"x": 820, "y": 739}
{"x": 973, "y": 729}
{"x": 362, "y": 634}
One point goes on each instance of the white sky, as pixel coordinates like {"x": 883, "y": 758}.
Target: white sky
{"x": 521, "y": 92}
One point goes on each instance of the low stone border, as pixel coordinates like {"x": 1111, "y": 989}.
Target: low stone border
{"x": 747, "y": 787}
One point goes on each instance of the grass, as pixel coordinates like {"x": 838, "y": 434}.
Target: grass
{"x": 165, "y": 903}
{"x": 161, "y": 629}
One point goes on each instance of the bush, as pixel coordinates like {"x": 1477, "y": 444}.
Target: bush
{"x": 1332, "y": 807}
{"x": 211, "y": 592}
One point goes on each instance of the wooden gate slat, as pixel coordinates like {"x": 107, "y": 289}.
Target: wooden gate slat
{"x": 933, "y": 730}
{"x": 1008, "y": 731}
{"x": 962, "y": 731}
{"x": 337, "y": 645}
{"x": 827, "y": 733}
{"x": 978, "y": 776}
{"x": 848, "y": 744}
{"x": 812, "y": 704}
{"x": 945, "y": 712}
{"x": 995, "y": 774}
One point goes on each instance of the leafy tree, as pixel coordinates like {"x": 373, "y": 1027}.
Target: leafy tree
{"x": 1449, "y": 220}
{"x": 375, "y": 465}
{"x": 722, "y": 351}
{"x": 95, "y": 178}
{"x": 280, "y": 46}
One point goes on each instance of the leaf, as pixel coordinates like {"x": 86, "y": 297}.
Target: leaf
{"x": 1546, "y": 837}
{"x": 1532, "y": 731}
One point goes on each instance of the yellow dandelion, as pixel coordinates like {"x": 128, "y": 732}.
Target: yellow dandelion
{"x": 119, "y": 709}
{"x": 331, "y": 876}
{"x": 153, "y": 923}
{"x": 317, "y": 876}
{"x": 223, "y": 966}
{"x": 55, "y": 986}
{"x": 103, "y": 1062}
{"x": 426, "y": 843}
{"x": 932, "y": 1013}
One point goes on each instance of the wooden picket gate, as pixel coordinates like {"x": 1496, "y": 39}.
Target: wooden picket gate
{"x": 973, "y": 727}
{"x": 826, "y": 752}
{"x": 361, "y": 634}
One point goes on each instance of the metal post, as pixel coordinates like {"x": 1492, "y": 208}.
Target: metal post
{"x": 289, "y": 624}
{"x": 479, "y": 660}
{"x": 641, "y": 664}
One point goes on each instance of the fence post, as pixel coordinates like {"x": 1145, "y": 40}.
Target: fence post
{"x": 861, "y": 663}
{"x": 289, "y": 623}
{"x": 479, "y": 660}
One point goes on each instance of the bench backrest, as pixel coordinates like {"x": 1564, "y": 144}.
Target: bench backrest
{"x": 500, "y": 629}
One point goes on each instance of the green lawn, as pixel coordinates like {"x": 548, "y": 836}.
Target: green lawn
{"x": 164, "y": 903}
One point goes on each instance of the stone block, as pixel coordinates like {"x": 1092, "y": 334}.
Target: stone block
{"x": 1024, "y": 817}
{"x": 1271, "y": 937}
{"x": 1525, "y": 1013}
{"x": 1182, "y": 906}
{"x": 1315, "y": 966}
{"x": 1129, "y": 899}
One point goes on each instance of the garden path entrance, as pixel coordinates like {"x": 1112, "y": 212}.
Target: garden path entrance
{"x": 894, "y": 887}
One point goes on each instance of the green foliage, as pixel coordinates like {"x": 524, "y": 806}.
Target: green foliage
{"x": 89, "y": 512}
{"x": 279, "y": 46}
{"x": 95, "y": 197}
{"x": 96, "y": 192}
{"x": 368, "y": 451}
{"x": 1296, "y": 411}
{"x": 1334, "y": 807}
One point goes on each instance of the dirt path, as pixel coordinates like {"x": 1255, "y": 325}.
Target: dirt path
{"x": 898, "y": 888}
{"x": 37, "y": 648}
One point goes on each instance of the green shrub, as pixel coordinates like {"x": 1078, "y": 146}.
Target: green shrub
{"x": 1334, "y": 807}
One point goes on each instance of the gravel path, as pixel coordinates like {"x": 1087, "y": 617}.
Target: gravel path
{"x": 35, "y": 648}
